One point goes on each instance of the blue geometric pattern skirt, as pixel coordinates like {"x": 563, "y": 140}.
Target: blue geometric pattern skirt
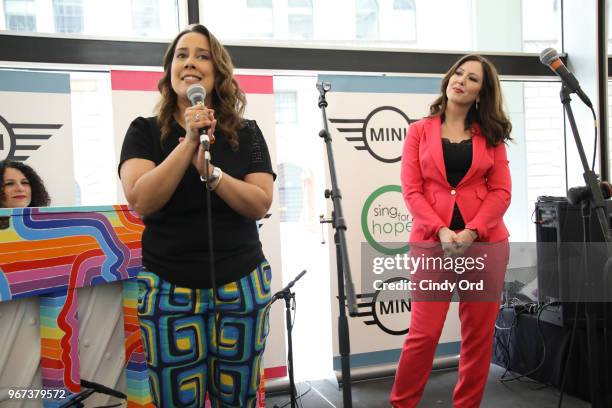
{"x": 178, "y": 331}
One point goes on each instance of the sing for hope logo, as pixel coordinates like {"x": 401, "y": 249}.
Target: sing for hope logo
{"x": 385, "y": 221}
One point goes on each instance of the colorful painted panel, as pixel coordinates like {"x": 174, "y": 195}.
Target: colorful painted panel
{"x": 45, "y": 250}
{"x": 50, "y": 252}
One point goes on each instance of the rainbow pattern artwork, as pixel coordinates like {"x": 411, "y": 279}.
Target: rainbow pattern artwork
{"x": 51, "y": 252}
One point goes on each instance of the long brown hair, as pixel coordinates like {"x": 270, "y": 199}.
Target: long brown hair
{"x": 490, "y": 115}
{"x": 228, "y": 100}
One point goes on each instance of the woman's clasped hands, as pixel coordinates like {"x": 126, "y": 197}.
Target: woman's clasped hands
{"x": 455, "y": 243}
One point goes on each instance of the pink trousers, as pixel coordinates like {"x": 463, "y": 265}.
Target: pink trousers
{"x": 427, "y": 320}
{"x": 477, "y": 313}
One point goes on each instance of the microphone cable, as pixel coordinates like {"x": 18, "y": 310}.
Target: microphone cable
{"x": 213, "y": 274}
{"x": 92, "y": 388}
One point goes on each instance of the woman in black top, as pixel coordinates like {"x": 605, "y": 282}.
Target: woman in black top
{"x": 161, "y": 167}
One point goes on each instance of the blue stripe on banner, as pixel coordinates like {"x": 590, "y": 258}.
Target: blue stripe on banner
{"x": 39, "y": 82}
{"x": 382, "y": 84}
{"x": 393, "y": 355}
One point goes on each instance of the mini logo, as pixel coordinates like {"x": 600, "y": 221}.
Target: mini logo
{"x": 382, "y": 132}
{"x": 18, "y": 139}
{"x": 388, "y": 313}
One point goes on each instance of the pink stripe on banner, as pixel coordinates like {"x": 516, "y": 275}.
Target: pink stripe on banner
{"x": 147, "y": 81}
{"x": 275, "y": 372}
{"x": 134, "y": 80}
{"x": 256, "y": 84}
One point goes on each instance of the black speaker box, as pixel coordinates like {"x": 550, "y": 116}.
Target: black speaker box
{"x": 560, "y": 232}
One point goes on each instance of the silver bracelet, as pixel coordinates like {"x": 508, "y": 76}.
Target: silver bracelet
{"x": 214, "y": 183}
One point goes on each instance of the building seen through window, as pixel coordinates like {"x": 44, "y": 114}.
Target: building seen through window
{"x": 366, "y": 19}
{"x": 20, "y": 15}
{"x": 68, "y": 16}
{"x": 145, "y": 17}
{"x": 101, "y": 18}
{"x": 291, "y": 192}
{"x": 285, "y": 109}
{"x": 300, "y": 23}
{"x": 259, "y": 19}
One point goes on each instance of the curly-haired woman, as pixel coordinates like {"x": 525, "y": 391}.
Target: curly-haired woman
{"x": 20, "y": 186}
{"x": 161, "y": 166}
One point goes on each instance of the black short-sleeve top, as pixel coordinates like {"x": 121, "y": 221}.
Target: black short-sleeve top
{"x": 175, "y": 239}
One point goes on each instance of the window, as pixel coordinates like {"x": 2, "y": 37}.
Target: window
{"x": 476, "y": 25}
{"x": 285, "y": 106}
{"x": 259, "y": 19}
{"x": 300, "y": 19}
{"x": 401, "y": 25}
{"x": 366, "y": 19}
{"x": 20, "y": 15}
{"x": 544, "y": 144}
{"x": 404, "y": 5}
{"x": 290, "y": 192}
{"x": 259, "y": 3}
{"x": 541, "y": 25}
{"x": 68, "y": 16}
{"x": 145, "y": 17}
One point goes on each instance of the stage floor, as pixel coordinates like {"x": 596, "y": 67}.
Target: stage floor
{"x": 438, "y": 393}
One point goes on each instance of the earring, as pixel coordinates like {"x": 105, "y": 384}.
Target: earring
{"x": 477, "y": 103}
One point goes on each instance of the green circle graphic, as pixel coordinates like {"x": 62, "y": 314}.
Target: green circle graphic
{"x": 364, "y": 221}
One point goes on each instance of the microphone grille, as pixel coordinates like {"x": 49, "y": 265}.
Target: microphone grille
{"x": 548, "y": 55}
{"x": 196, "y": 93}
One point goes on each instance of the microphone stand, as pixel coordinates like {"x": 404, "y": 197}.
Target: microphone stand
{"x": 205, "y": 143}
{"x": 286, "y": 294}
{"x": 596, "y": 203}
{"x": 345, "y": 281}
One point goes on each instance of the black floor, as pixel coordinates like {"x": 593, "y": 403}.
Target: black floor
{"x": 438, "y": 393}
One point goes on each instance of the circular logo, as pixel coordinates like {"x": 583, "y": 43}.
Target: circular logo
{"x": 391, "y": 312}
{"x": 384, "y": 131}
{"x": 7, "y": 140}
{"x": 385, "y": 221}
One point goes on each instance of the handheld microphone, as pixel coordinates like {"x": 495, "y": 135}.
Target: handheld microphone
{"x": 196, "y": 95}
{"x": 550, "y": 57}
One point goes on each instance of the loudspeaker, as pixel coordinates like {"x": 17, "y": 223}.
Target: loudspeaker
{"x": 560, "y": 233}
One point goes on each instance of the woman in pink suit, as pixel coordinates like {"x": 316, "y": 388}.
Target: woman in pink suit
{"x": 456, "y": 184}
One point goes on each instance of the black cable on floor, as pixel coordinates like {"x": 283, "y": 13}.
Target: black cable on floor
{"x": 541, "y": 334}
{"x": 298, "y": 398}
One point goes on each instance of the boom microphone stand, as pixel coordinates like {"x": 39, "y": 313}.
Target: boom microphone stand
{"x": 345, "y": 281}
{"x": 286, "y": 294}
{"x": 596, "y": 203}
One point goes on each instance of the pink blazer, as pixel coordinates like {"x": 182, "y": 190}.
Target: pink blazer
{"x": 483, "y": 195}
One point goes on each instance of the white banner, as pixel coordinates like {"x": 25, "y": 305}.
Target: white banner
{"x": 368, "y": 120}
{"x": 36, "y": 128}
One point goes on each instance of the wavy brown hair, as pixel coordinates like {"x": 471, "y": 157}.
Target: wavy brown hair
{"x": 228, "y": 100}
{"x": 490, "y": 115}
{"x": 40, "y": 197}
